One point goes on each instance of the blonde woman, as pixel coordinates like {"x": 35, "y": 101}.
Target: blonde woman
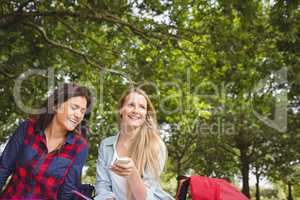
{"x": 129, "y": 164}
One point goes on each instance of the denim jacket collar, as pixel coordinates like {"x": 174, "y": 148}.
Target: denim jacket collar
{"x": 111, "y": 140}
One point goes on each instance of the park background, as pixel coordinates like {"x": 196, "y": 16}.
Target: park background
{"x": 223, "y": 75}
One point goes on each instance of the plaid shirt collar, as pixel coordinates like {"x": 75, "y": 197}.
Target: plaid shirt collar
{"x": 70, "y": 139}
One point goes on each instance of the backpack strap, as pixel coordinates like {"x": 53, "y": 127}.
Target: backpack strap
{"x": 72, "y": 162}
{"x": 182, "y": 187}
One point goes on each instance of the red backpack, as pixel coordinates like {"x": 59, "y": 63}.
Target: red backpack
{"x": 204, "y": 188}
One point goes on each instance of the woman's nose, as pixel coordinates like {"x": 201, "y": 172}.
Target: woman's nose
{"x": 78, "y": 114}
{"x": 135, "y": 109}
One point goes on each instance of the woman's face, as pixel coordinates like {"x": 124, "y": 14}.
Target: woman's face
{"x": 70, "y": 113}
{"x": 134, "y": 110}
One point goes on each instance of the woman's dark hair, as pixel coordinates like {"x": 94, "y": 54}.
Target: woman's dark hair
{"x": 59, "y": 96}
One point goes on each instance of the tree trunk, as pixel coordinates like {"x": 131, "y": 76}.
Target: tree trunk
{"x": 245, "y": 171}
{"x": 257, "y": 194}
{"x": 290, "y": 196}
{"x": 178, "y": 167}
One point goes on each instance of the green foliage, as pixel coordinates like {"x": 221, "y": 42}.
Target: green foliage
{"x": 200, "y": 61}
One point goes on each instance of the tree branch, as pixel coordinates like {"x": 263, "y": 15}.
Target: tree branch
{"x": 104, "y": 15}
{"x": 7, "y": 74}
{"x": 77, "y": 52}
{"x": 228, "y": 150}
{"x": 115, "y": 53}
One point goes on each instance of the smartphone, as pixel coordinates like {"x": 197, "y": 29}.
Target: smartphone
{"x": 122, "y": 161}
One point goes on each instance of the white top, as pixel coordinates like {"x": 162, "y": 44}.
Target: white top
{"x": 118, "y": 182}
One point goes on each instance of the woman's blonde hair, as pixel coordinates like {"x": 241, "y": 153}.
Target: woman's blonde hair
{"x": 147, "y": 146}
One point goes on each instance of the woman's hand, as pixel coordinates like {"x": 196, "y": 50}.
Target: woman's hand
{"x": 124, "y": 170}
{"x": 135, "y": 181}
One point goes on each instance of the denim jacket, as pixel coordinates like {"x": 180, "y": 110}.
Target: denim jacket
{"x": 103, "y": 179}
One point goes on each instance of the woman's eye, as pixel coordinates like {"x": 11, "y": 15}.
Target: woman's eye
{"x": 83, "y": 111}
{"x": 131, "y": 105}
{"x": 143, "y": 107}
{"x": 73, "y": 107}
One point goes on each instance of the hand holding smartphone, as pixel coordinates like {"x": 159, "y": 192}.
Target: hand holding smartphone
{"x": 123, "y": 166}
{"x": 122, "y": 161}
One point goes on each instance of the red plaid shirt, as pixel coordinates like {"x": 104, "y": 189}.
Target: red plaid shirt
{"x": 37, "y": 174}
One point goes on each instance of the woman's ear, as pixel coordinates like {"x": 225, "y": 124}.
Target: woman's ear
{"x": 55, "y": 108}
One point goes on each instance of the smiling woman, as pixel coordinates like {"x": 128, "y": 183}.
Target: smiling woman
{"x": 46, "y": 154}
{"x": 130, "y": 163}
